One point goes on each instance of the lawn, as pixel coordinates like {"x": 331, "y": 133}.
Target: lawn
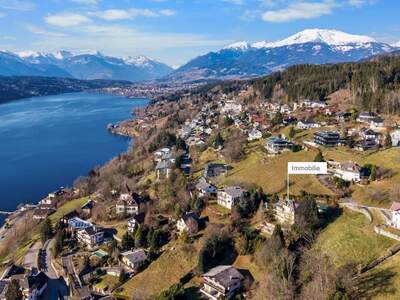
{"x": 121, "y": 226}
{"x": 376, "y": 193}
{"x": 167, "y": 270}
{"x": 67, "y": 208}
{"x": 382, "y": 282}
{"x": 107, "y": 282}
{"x": 216, "y": 214}
{"x": 245, "y": 262}
{"x": 350, "y": 238}
{"x": 270, "y": 173}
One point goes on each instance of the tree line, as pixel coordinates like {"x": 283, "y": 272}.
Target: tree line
{"x": 374, "y": 84}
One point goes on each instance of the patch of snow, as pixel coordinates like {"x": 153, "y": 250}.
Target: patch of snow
{"x": 238, "y": 46}
{"x": 317, "y": 48}
{"x": 62, "y": 54}
{"x": 330, "y": 37}
{"x": 138, "y": 61}
{"x": 29, "y": 53}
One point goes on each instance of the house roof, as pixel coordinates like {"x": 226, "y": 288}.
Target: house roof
{"x": 285, "y": 202}
{"x": 233, "y": 191}
{"x": 203, "y": 185}
{"x": 395, "y": 206}
{"x": 75, "y": 221}
{"x": 88, "y": 205}
{"x": 224, "y": 275}
{"x": 368, "y": 131}
{"x": 131, "y": 200}
{"x": 135, "y": 256}
{"x": 190, "y": 215}
{"x": 92, "y": 230}
{"x": 350, "y": 166}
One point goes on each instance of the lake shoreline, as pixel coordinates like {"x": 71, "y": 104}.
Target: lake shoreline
{"x": 122, "y": 146}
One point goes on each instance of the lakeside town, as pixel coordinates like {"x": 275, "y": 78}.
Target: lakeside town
{"x": 199, "y": 207}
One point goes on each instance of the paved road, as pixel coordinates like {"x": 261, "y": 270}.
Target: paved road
{"x": 49, "y": 258}
{"x": 69, "y": 265}
{"x": 30, "y": 259}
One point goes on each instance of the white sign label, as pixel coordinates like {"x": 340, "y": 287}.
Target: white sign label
{"x": 307, "y": 168}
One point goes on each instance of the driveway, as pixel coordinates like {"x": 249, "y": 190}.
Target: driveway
{"x": 48, "y": 258}
{"x": 31, "y": 257}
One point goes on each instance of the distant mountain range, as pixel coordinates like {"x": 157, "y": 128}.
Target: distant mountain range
{"x": 311, "y": 46}
{"x": 238, "y": 60}
{"x": 81, "y": 66}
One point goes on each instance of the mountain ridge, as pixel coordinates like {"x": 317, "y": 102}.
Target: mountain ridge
{"x": 83, "y": 66}
{"x": 311, "y": 46}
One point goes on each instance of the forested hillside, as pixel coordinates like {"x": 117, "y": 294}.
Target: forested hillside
{"x": 17, "y": 87}
{"x": 374, "y": 84}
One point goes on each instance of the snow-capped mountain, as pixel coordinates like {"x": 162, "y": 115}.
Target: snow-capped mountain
{"x": 313, "y": 46}
{"x": 13, "y": 64}
{"x": 82, "y": 66}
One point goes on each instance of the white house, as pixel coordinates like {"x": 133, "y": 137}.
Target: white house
{"x": 318, "y": 104}
{"x": 204, "y": 188}
{"x": 128, "y": 204}
{"x": 395, "y": 135}
{"x": 228, "y": 196}
{"x": 285, "y": 211}
{"x": 377, "y": 123}
{"x": 189, "y": 223}
{"x": 395, "y": 209}
{"x": 135, "y": 222}
{"x": 254, "y": 135}
{"x": 134, "y": 259}
{"x": 285, "y": 109}
{"x": 369, "y": 134}
{"x": 162, "y": 154}
{"x": 307, "y": 124}
{"x": 76, "y": 223}
{"x": 348, "y": 171}
{"x": 366, "y": 117}
{"x": 221, "y": 282}
{"x": 232, "y": 107}
{"x": 276, "y": 144}
{"x": 90, "y": 236}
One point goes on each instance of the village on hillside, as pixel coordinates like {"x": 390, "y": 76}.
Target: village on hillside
{"x": 199, "y": 208}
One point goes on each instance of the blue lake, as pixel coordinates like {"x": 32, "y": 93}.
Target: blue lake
{"x": 47, "y": 142}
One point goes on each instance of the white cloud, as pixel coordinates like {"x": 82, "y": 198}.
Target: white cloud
{"x": 270, "y": 3}
{"x": 122, "y": 40}
{"x": 67, "y": 20}
{"x": 132, "y": 13}
{"x": 43, "y": 32}
{"x": 300, "y": 10}
{"x": 120, "y": 14}
{"x": 251, "y": 14}
{"x": 236, "y": 2}
{"x": 2, "y": 15}
{"x": 167, "y": 12}
{"x": 359, "y": 3}
{"x": 17, "y": 5}
{"x": 86, "y": 2}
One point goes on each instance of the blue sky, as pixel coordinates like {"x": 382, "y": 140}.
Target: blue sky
{"x": 174, "y": 31}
